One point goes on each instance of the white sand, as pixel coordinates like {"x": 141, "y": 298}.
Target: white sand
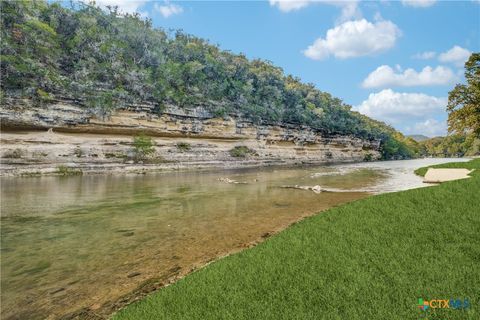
{"x": 442, "y": 175}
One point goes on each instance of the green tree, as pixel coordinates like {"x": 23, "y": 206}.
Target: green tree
{"x": 464, "y": 101}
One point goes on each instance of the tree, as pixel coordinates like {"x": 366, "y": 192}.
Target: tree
{"x": 464, "y": 101}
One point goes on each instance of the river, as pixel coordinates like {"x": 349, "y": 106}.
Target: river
{"x": 81, "y": 243}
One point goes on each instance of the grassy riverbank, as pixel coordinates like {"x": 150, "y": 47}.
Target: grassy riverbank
{"x": 370, "y": 259}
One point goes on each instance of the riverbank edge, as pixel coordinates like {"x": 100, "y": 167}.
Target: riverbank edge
{"x": 153, "y": 285}
{"x": 73, "y": 169}
{"x": 117, "y": 313}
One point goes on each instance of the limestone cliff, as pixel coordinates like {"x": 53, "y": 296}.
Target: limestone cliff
{"x": 37, "y": 140}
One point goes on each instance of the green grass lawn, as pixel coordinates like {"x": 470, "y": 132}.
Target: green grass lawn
{"x": 369, "y": 259}
{"x": 472, "y": 164}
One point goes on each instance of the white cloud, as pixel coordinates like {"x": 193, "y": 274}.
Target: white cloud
{"x": 290, "y": 5}
{"x": 354, "y": 39}
{"x": 425, "y": 55}
{"x": 168, "y": 9}
{"x": 399, "y": 108}
{"x": 124, "y": 6}
{"x": 418, "y": 3}
{"x": 429, "y": 127}
{"x": 349, "y": 8}
{"x": 457, "y": 55}
{"x": 385, "y": 76}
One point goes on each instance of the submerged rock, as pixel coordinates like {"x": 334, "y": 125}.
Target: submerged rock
{"x": 227, "y": 180}
{"x": 133, "y": 274}
{"x": 57, "y": 290}
{"x": 316, "y": 188}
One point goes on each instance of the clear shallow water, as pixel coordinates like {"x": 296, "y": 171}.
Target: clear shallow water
{"x": 83, "y": 242}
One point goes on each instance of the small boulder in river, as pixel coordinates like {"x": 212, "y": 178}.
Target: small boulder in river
{"x": 133, "y": 274}
{"x": 316, "y": 188}
{"x": 227, "y": 180}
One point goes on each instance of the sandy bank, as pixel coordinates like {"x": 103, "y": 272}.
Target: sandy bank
{"x": 438, "y": 175}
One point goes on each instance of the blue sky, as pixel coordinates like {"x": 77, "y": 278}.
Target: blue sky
{"x": 393, "y": 61}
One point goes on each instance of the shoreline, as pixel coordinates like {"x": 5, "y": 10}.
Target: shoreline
{"x": 78, "y": 169}
{"x": 47, "y": 153}
{"x": 108, "y": 169}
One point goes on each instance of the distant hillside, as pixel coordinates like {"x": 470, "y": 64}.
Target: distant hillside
{"x": 418, "y": 137}
{"x": 107, "y": 61}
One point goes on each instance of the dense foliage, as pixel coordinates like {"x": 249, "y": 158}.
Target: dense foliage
{"x": 464, "y": 108}
{"x": 454, "y": 145}
{"x": 106, "y": 60}
{"x": 464, "y": 101}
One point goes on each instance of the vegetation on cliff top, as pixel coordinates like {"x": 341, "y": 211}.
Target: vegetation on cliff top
{"x": 106, "y": 60}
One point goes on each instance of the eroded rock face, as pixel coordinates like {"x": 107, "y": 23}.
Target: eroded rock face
{"x": 39, "y": 139}
{"x": 21, "y": 114}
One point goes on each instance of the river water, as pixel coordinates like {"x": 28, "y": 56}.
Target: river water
{"x": 83, "y": 242}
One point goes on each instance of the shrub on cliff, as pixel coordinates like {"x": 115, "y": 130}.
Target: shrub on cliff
{"x": 184, "y": 146}
{"x": 143, "y": 146}
{"x": 68, "y": 171}
{"x": 368, "y": 157}
{"x": 241, "y": 152}
{"x": 13, "y": 154}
